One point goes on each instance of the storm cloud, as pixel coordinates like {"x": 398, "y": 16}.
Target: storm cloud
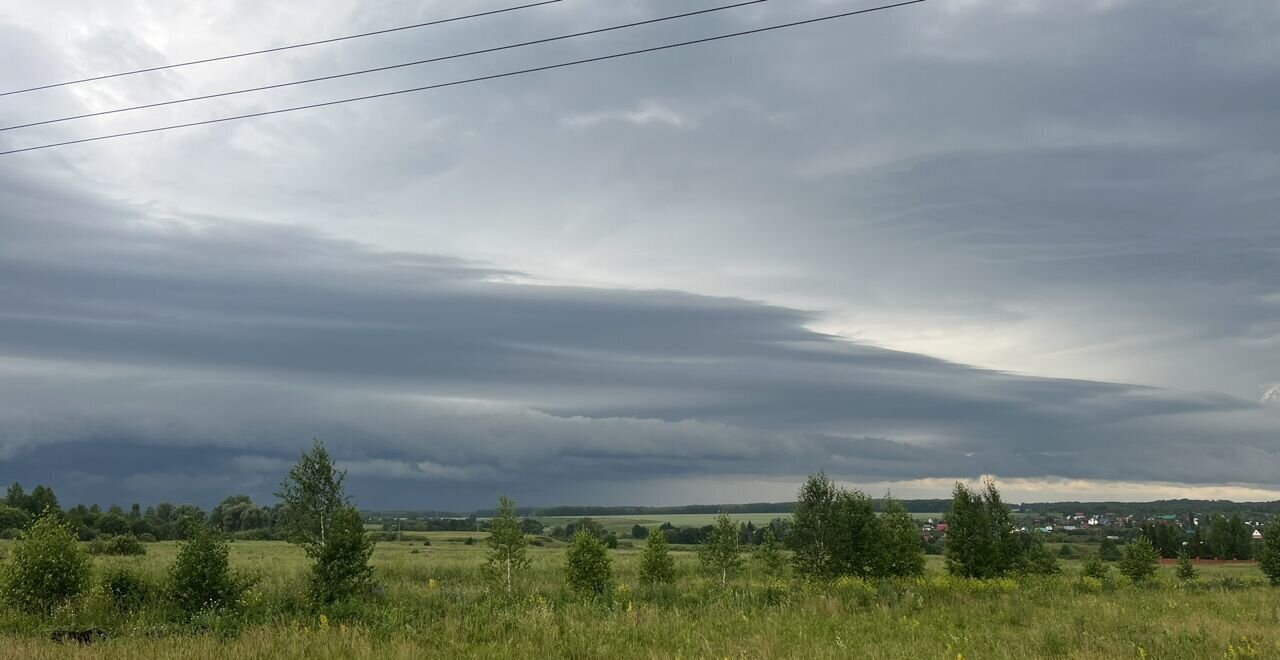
{"x": 1033, "y": 239}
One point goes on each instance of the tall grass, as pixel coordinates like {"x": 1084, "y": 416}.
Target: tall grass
{"x": 433, "y": 603}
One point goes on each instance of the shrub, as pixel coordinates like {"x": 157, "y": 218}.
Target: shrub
{"x": 1186, "y": 571}
{"x": 11, "y": 533}
{"x": 48, "y": 567}
{"x": 1092, "y": 567}
{"x": 767, "y": 554}
{"x": 587, "y": 565}
{"x": 341, "y": 569}
{"x": 1139, "y": 560}
{"x": 123, "y": 545}
{"x": 201, "y": 578}
{"x": 656, "y": 564}
{"x": 147, "y": 537}
{"x": 126, "y": 590}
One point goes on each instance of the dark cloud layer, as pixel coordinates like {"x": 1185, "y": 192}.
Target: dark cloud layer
{"x": 143, "y": 353}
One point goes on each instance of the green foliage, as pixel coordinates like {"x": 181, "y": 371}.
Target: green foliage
{"x": 342, "y": 569}
{"x": 981, "y": 542}
{"x": 856, "y": 549}
{"x": 1109, "y": 551}
{"x": 719, "y": 552}
{"x": 656, "y": 565}
{"x": 1035, "y": 558}
{"x": 1066, "y": 552}
{"x": 1230, "y": 537}
{"x": 901, "y": 553}
{"x": 12, "y": 517}
{"x": 1186, "y": 571}
{"x": 587, "y": 565}
{"x": 1092, "y": 567}
{"x": 1269, "y": 561}
{"x": 126, "y": 590}
{"x": 639, "y": 532}
{"x": 813, "y": 533}
{"x": 122, "y": 545}
{"x": 48, "y": 567}
{"x": 769, "y": 556}
{"x": 201, "y": 578}
{"x": 1139, "y": 560}
{"x": 508, "y": 548}
{"x": 312, "y": 496}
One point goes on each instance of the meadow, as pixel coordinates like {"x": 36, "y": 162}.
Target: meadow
{"x": 432, "y": 601}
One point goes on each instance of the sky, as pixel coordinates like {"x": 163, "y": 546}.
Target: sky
{"x": 1025, "y": 238}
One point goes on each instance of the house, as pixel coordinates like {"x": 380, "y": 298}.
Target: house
{"x": 1257, "y": 535}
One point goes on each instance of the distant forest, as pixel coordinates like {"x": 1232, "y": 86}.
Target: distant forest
{"x": 1153, "y": 508}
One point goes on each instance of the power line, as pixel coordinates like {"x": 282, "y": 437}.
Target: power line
{"x": 385, "y": 68}
{"x": 466, "y": 81}
{"x": 280, "y": 48}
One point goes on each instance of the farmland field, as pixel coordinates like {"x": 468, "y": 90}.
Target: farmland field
{"x": 433, "y": 603}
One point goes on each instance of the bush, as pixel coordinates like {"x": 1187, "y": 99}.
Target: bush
{"x": 126, "y": 590}
{"x": 1186, "y": 571}
{"x": 123, "y": 545}
{"x": 147, "y": 537}
{"x": 1093, "y": 568}
{"x": 1139, "y": 560}
{"x": 587, "y": 564}
{"x": 48, "y": 568}
{"x": 342, "y": 569}
{"x": 10, "y": 533}
{"x": 200, "y": 577}
{"x": 656, "y": 564}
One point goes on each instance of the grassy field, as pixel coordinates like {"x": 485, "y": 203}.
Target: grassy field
{"x": 433, "y": 602}
{"x": 622, "y": 524}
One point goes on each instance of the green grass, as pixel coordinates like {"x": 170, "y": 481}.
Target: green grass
{"x": 622, "y": 524}
{"x": 434, "y": 604}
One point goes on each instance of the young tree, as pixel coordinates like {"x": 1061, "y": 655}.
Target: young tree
{"x": 1270, "y": 559}
{"x": 1139, "y": 559}
{"x": 342, "y": 569}
{"x": 901, "y": 553}
{"x": 656, "y": 564}
{"x": 587, "y": 564}
{"x": 1186, "y": 571}
{"x": 970, "y": 549}
{"x": 1093, "y": 567}
{"x": 719, "y": 552}
{"x": 201, "y": 578}
{"x": 769, "y": 556}
{"x": 1066, "y": 552}
{"x": 312, "y": 495}
{"x": 856, "y": 549}
{"x": 508, "y": 548}
{"x": 48, "y": 567}
{"x": 812, "y": 528}
{"x": 318, "y": 514}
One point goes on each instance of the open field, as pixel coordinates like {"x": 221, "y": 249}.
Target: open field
{"x": 434, "y": 603}
{"x": 622, "y": 524}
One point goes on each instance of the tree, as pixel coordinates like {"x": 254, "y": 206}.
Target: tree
{"x": 41, "y": 500}
{"x": 639, "y": 532}
{"x": 48, "y": 567}
{"x": 342, "y": 569}
{"x": 1108, "y": 551}
{"x": 16, "y": 496}
{"x": 319, "y": 516}
{"x": 1186, "y": 571}
{"x": 656, "y": 564}
{"x": 1139, "y": 560}
{"x": 769, "y": 556}
{"x": 587, "y": 564}
{"x": 508, "y": 548}
{"x": 856, "y": 548}
{"x": 1270, "y": 559}
{"x": 312, "y": 495}
{"x": 201, "y": 578}
{"x": 901, "y": 553}
{"x": 969, "y": 548}
{"x": 1066, "y": 552}
{"x": 12, "y": 517}
{"x": 812, "y": 532}
{"x": 1230, "y": 538}
{"x": 719, "y": 552}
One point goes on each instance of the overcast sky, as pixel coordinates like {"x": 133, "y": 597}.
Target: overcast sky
{"x": 1029, "y": 238}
